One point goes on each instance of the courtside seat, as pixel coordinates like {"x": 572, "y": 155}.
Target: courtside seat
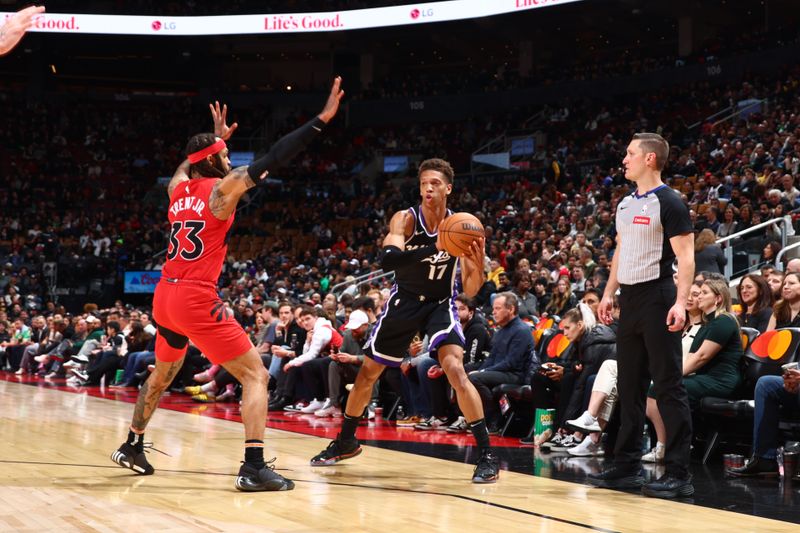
{"x": 764, "y": 355}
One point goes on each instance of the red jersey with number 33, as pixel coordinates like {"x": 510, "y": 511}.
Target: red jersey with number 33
{"x": 197, "y": 239}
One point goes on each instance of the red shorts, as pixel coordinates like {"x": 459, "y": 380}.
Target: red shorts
{"x": 194, "y": 310}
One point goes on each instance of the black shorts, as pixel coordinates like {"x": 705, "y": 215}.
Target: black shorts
{"x": 406, "y": 315}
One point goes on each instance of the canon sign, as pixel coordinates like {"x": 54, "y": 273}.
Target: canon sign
{"x": 51, "y": 22}
{"x": 310, "y": 22}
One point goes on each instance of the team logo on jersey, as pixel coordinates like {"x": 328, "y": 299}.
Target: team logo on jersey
{"x": 642, "y": 220}
{"x": 438, "y": 257}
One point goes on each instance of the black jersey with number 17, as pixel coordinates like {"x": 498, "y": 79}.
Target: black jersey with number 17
{"x": 434, "y": 277}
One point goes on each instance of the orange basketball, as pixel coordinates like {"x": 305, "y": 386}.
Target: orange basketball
{"x": 458, "y": 231}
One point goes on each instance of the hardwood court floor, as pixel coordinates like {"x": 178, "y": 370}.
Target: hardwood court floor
{"x": 56, "y": 475}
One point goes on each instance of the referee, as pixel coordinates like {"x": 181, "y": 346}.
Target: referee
{"x": 653, "y": 228}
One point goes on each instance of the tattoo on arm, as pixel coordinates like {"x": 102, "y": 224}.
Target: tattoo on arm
{"x": 219, "y": 199}
{"x": 149, "y": 396}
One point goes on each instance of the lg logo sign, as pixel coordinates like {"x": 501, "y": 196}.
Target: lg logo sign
{"x": 158, "y": 25}
{"x": 416, "y": 13}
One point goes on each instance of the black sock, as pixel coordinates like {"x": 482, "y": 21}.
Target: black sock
{"x": 254, "y": 453}
{"x": 137, "y": 440}
{"x": 481, "y": 433}
{"x": 349, "y": 425}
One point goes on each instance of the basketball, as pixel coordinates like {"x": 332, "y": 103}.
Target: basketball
{"x": 458, "y": 231}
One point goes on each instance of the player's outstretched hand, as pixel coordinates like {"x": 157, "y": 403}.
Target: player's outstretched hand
{"x": 332, "y": 105}
{"x": 220, "y": 116}
{"x": 15, "y": 27}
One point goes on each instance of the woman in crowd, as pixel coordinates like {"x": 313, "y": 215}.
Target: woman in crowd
{"x": 755, "y": 297}
{"x": 708, "y": 256}
{"x": 729, "y": 225}
{"x": 604, "y": 391}
{"x": 711, "y": 368}
{"x": 562, "y": 299}
{"x": 770, "y": 254}
{"x": 785, "y": 312}
{"x": 591, "y": 345}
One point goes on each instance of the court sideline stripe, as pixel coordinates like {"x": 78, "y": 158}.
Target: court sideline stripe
{"x": 354, "y": 485}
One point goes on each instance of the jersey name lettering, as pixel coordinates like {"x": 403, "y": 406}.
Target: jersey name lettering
{"x": 189, "y": 202}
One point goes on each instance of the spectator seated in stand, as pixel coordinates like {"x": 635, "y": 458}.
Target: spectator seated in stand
{"x": 509, "y": 358}
{"x": 712, "y": 366}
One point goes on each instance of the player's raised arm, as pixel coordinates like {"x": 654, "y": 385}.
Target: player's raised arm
{"x": 16, "y": 25}
{"x": 227, "y": 192}
{"x": 181, "y": 175}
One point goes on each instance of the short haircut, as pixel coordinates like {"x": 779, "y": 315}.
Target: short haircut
{"x": 306, "y": 310}
{"x": 511, "y": 301}
{"x": 654, "y": 143}
{"x": 113, "y": 324}
{"x": 346, "y": 300}
{"x": 466, "y": 300}
{"x": 285, "y": 303}
{"x": 365, "y": 303}
{"x": 439, "y": 165}
{"x": 594, "y": 291}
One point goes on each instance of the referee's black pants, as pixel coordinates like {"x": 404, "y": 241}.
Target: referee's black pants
{"x": 645, "y": 350}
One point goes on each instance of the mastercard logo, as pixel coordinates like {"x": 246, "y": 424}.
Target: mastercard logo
{"x": 557, "y": 345}
{"x": 772, "y": 344}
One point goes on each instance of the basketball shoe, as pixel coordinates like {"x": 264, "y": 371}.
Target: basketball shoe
{"x": 132, "y": 456}
{"x": 336, "y": 451}
{"x": 487, "y": 469}
{"x": 252, "y": 479}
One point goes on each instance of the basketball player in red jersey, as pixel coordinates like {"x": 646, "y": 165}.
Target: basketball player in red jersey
{"x": 203, "y": 196}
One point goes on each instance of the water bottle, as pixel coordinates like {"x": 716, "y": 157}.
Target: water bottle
{"x": 293, "y": 342}
{"x": 400, "y": 413}
{"x": 646, "y": 440}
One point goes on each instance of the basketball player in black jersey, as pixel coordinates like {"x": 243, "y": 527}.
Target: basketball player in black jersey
{"x": 427, "y": 280}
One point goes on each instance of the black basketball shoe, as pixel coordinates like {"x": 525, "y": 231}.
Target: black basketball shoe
{"x": 252, "y": 479}
{"x": 488, "y": 468}
{"x": 132, "y": 456}
{"x": 336, "y": 451}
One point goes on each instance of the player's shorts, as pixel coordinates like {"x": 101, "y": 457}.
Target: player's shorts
{"x": 192, "y": 309}
{"x": 406, "y": 315}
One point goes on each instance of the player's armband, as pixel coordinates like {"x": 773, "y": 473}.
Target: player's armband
{"x": 285, "y": 149}
{"x": 393, "y": 257}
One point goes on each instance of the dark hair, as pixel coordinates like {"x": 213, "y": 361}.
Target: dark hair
{"x": 285, "y": 303}
{"x": 466, "y": 300}
{"x": 365, "y": 303}
{"x": 764, "y": 298}
{"x": 113, "y": 324}
{"x": 439, "y": 165}
{"x": 656, "y": 144}
{"x": 306, "y": 310}
{"x": 203, "y": 168}
{"x": 594, "y": 291}
{"x": 520, "y": 276}
{"x": 346, "y": 300}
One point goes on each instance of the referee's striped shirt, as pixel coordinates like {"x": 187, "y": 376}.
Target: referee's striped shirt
{"x": 645, "y": 224}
